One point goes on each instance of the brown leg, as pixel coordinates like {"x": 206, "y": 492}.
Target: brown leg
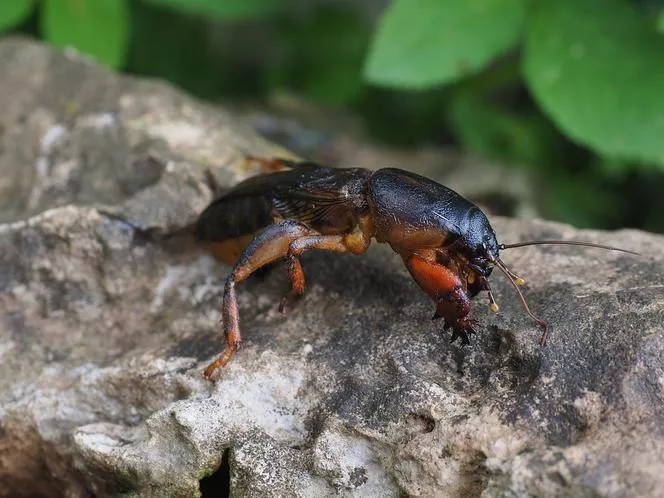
{"x": 324, "y": 242}
{"x": 269, "y": 245}
{"x": 295, "y": 272}
{"x": 354, "y": 242}
{"x": 296, "y": 276}
{"x": 287, "y": 239}
{"x": 231, "y": 329}
{"x": 445, "y": 287}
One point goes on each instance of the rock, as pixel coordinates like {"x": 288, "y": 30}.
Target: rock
{"x": 108, "y": 313}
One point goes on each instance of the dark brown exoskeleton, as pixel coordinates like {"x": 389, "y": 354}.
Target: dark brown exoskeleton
{"x": 446, "y": 241}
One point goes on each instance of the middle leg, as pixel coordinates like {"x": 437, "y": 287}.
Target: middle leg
{"x": 356, "y": 242}
{"x": 296, "y": 276}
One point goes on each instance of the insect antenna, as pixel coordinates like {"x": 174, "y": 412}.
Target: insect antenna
{"x": 514, "y": 279}
{"x": 564, "y": 242}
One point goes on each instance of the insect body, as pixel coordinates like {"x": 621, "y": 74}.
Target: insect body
{"x": 445, "y": 241}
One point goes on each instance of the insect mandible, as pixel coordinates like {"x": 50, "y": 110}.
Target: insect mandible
{"x": 445, "y": 241}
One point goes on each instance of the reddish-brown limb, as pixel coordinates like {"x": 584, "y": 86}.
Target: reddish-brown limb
{"x": 355, "y": 242}
{"x": 230, "y": 327}
{"x": 296, "y": 276}
{"x": 268, "y": 246}
{"x": 447, "y": 290}
{"x": 287, "y": 239}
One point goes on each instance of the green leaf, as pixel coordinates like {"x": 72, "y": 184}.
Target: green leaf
{"x": 578, "y": 200}
{"x": 596, "y": 67}
{"x": 488, "y": 129}
{"x": 422, "y": 43}
{"x": 324, "y": 55}
{"x": 225, "y": 10}
{"x": 13, "y": 12}
{"x": 99, "y": 28}
{"x": 176, "y": 48}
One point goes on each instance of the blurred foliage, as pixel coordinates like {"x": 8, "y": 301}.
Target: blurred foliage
{"x": 13, "y": 12}
{"x": 225, "y": 10}
{"x": 572, "y": 90}
{"x": 321, "y": 55}
{"x": 424, "y": 43}
{"x": 99, "y": 27}
{"x": 597, "y": 69}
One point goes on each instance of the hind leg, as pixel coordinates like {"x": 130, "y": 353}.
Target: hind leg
{"x": 287, "y": 239}
{"x": 268, "y": 246}
{"x": 454, "y": 308}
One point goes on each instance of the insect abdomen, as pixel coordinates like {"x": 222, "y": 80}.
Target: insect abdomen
{"x": 227, "y": 226}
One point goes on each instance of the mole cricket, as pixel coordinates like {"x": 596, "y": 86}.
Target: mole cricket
{"x": 445, "y": 241}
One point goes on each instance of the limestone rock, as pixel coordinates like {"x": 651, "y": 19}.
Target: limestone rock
{"x": 108, "y": 313}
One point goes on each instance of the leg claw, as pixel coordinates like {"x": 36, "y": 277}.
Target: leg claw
{"x": 220, "y": 362}
{"x": 462, "y": 330}
{"x": 461, "y": 334}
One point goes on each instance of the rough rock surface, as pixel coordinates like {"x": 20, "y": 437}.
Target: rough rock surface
{"x": 108, "y": 314}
